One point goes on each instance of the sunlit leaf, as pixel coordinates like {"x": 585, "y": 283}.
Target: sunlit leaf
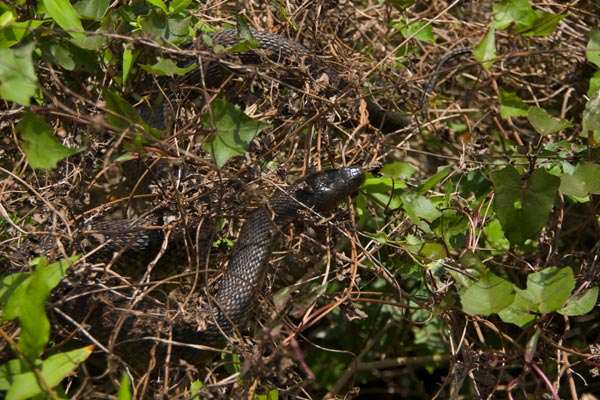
{"x": 581, "y": 303}
{"x": 234, "y": 131}
{"x": 544, "y": 123}
{"x": 512, "y": 105}
{"x": 18, "y": 81}
{"x": 166, "y": 67}
{"x": 518, "y": 312}
{"x": 63, "y": 13}
{"x": 485, "y": 51}
{"x": 592, "y": 49}
{"x": 24, "y": 384}
{"x": 549, "y": 289}
{"x": 489, "y": 295}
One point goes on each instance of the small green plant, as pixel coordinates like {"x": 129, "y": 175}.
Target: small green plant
{"x": 36, "y": 370}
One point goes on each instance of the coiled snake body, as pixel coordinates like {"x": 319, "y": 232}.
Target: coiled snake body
{"x": 233, "y": 302}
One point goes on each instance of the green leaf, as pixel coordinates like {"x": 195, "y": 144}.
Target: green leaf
{"x": 489, "y": 295}
{"x": 594, "y": 84}
{"x": 9, "y": 284}
{"x": 13, "y": 287}
{"x": 440, "y": 175}
{"x": 18, "y": 81}
{"x": 398, "y": 169}
{"x": 24, "y": 384}
{"x": 485, "y": 51}
{"x": 92, "y": 9}
{"x": 63, "y": 13}
{"x": 523, "y": 206}
{"x": 234, "y": 131}
{"x": 509, "y": 12}
{"x": 419, "y": 30}
{"x": 591, "y": 120}
{"x": 511, "y": 105}
{"x": 584, "y": 180}
{"x": 177, "y": 6}
{"x": 40, "y": 145}
{"x": 544, "y": 123}
{"x": 518, "y": 312}
{"x": 13, "y": 32}
{"x": 420, "y": 210}
{"x": 125, "y": 388}
{"x": 592, "y": 49}
{"x": 581, "y": 303}
{"x": 35, "y": 326}
{"x": 524, "y": 19}
{"x": 549, "y": 289}
{"x": 158, "y": 3}
{"x": 544, "y": 23}
{"x": 382, "y": 184}
{"x": 166, "y": 67}
{"x": 127, "y": 63}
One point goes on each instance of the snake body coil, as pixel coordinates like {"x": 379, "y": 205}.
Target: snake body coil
{"x": 296, "y": 64}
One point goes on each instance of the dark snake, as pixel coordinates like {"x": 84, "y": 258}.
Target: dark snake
{"x": 233, "y": 301}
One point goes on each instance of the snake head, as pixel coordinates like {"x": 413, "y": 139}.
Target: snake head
{"x": 324, "y": 190}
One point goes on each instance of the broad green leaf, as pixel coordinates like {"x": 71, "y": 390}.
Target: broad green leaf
{"x": 545, "y": 23}
{"x": 584, "y": 180}
{"x": 485, "y": 51}
{"x": 518, "y": 312}
{"x": 511, "y": 105}
{"x": 18, "y": 81}
{"x": 35, "y": 326}
{"x": 523, "y": 206}
{"x": 382, "y": 185}
{"x": 63, "y": 13}
{"x": 166, "y": 67}
{"x": 524, "y": 19}
{"x": 25, "y": 385}
{"x": 398, "y": 169}
{"x": 549, "y": 289}
{"x": 14, "y": 32}
{"x": 544, "y": 123}
{"x": 513, "y": 12}
{"x": 42, "y": 148}
{"x": 234, "y": 131}
{"x": 247, "y": 40}
{"x": 419, "y": 30}
{"x": 173, "y": 29}
{"x": 582, "y": 303}
{"x": 9, "y": 284}
{"x": 13, "y": 287}
{"x": 592, "y": 49}
{"x": 489, "y": 295}
{"x": 92, "y": 9}
{"x": 420, "y": 210}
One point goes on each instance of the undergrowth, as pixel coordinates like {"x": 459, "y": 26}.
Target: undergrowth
{"x": 467, "y": 266}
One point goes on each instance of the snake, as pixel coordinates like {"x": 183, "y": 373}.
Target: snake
{"x": 229, "y": 309}
{"x": 267, "y": 49}
{"x": 233, "y": 302}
